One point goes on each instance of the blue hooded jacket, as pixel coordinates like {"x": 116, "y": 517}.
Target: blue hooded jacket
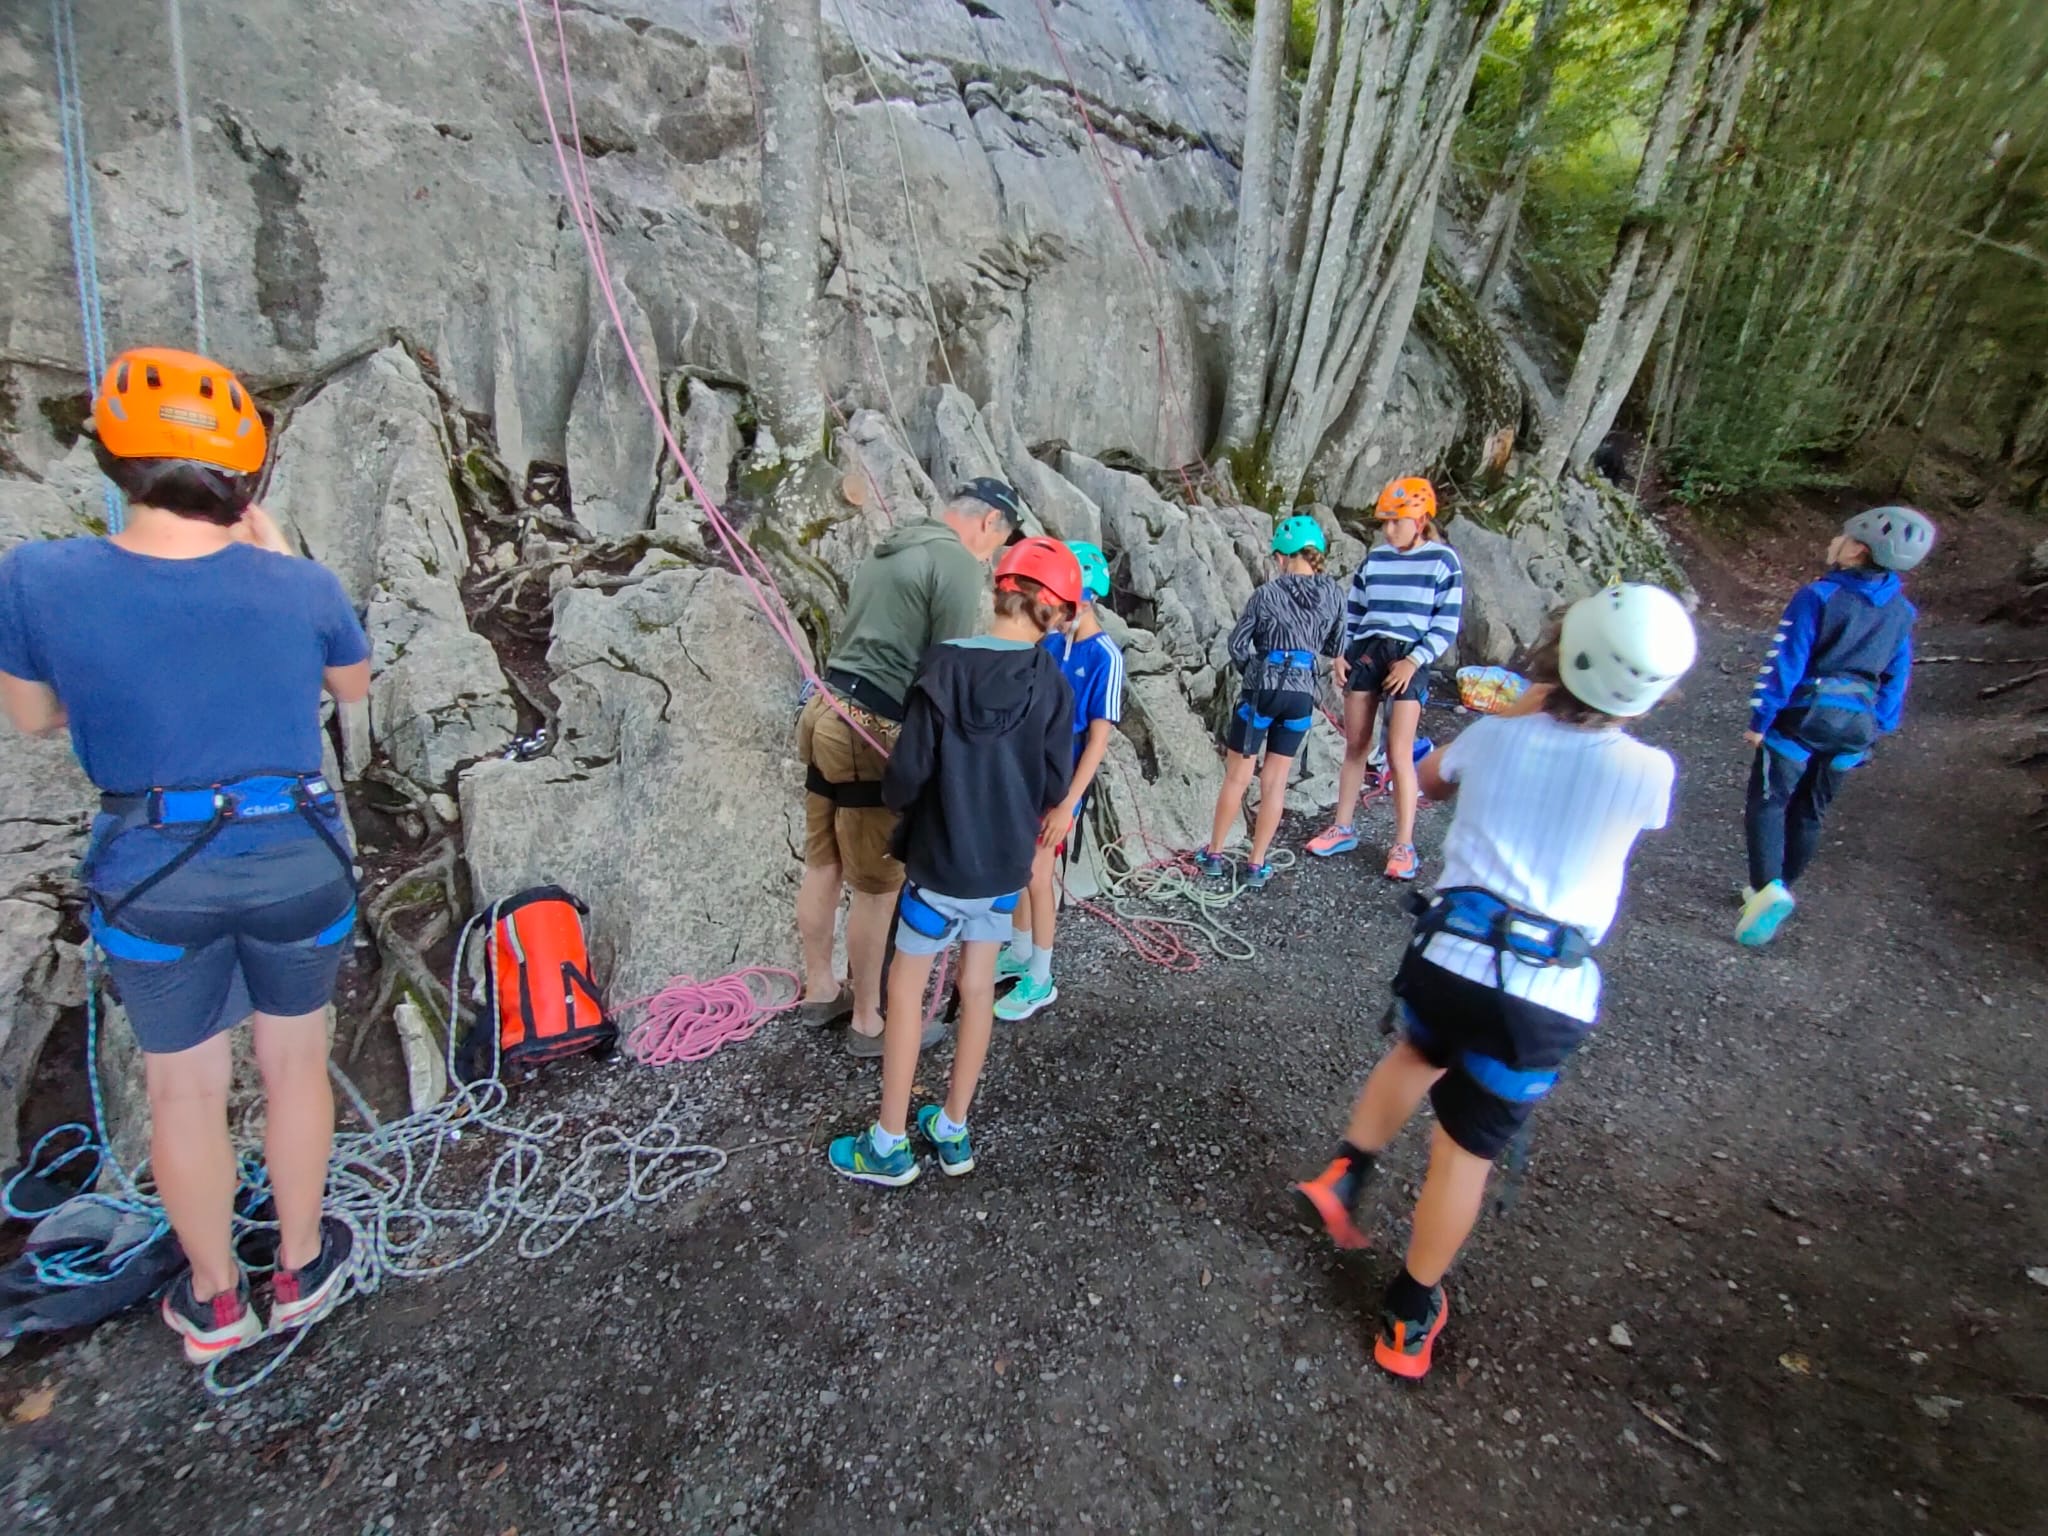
{"x": 1849, "y": 624}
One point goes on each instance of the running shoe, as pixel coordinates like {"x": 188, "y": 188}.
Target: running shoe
{"x": 1211, "y": 864}
{"x": 1333, "y": 840}
{"x": 855, "y": 1157}
{"x": 1404, "y": 1344}
{"x": 299, "y": 1297}
{"x": 1257, "y": 876}
{"x": 217, "y": 1326}
{"x": 1026, "y": 998}
{"x": 1009, "y": 968}
{"x": 1402, "y": 862}
{"x": 1764, "y": 914}
{"x": 956, "y": 1157}
{"x": 1331, "y": 1198}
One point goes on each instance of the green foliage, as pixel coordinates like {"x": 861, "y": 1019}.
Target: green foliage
{"x": 1301, "y": 30}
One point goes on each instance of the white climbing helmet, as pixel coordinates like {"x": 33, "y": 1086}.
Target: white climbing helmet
{"x": 1625, "y": 648}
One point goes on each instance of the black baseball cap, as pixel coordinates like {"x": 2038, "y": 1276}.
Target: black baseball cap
{"x": 997, "y": 495}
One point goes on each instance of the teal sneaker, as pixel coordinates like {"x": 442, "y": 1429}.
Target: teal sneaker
{"x": 855, "y": 1157}
{"x": 1257, "y": 876}
{"x": 956, "y": 1157}
{"x": 1026, "y": 998}
{"x": 1764, "y": 914}
{"x": 1211, "y": 863}
{"x": 1009, "y": 969}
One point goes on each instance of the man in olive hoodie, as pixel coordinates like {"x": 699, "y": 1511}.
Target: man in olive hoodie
{"x": 922, "y": 585}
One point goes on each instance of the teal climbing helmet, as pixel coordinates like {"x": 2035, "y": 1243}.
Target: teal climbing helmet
{"x": 1298, "y": 533}
{"x": 1094, "y": 568}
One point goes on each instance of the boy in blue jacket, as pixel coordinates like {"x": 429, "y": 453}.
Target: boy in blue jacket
{"x": 1833, "y": 681}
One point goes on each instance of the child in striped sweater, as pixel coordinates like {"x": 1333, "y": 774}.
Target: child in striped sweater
{"x": 1401, "y": 617}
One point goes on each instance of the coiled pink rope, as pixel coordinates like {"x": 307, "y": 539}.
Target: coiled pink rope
{"x": 691, "y": 1020}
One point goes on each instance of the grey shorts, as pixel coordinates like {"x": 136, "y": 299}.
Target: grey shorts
{"x": 930, "y": 924}
{"x": 256, "y": 932}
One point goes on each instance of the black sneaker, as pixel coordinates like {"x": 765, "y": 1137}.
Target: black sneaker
{"x": 217, "y": 1326}
{"x": 302, "y": 1296}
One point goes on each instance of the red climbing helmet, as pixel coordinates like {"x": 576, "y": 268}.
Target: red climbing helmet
{"x": 1046, "y": 561}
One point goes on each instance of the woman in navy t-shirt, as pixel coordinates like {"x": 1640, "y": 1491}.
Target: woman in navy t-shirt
{"x": 187, "y": 654}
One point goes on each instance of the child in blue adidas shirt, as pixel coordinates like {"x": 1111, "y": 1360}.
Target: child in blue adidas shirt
{"x": 1833, "y": 681}
{"x": 1094, "y": 667}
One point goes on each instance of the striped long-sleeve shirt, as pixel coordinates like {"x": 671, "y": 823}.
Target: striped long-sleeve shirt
{"x": 1414, "y": 595}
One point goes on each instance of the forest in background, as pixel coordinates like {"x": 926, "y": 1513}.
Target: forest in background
{"x": 1793, "y": 242}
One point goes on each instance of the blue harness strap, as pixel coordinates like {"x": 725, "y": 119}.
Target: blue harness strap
{"x": 1253, "y": 718}
{"x": 1305, "y": 660}
{"x": 1515, "y": 1084}
{"x": 1468, "y": 912}
{"x": 921, "y": 915}
{"x": 1005, "y": 904}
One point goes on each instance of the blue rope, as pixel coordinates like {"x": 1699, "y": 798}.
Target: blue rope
{"x": 85, "y": 266}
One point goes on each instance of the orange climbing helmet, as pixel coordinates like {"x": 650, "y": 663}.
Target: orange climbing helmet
{"x": 159, "y": 403}
{"x": 1046, "y": 561}
{"x": 1410, "y": 497}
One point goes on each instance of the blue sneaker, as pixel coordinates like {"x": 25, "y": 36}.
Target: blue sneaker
{"x": 855, "y": 1157}
{"x": 1763, "y": 914}
{"x": 1256, "y": 876}
{"x": 956, "y": 1157}
{"x": 1211, "y": 864}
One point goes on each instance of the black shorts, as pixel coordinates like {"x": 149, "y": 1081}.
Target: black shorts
{"x": 1369, "y": 659}
{"x": 1271, "y": 720}
{"x": 1451, "y": 1019}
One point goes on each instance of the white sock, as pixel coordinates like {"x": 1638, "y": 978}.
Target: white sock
{"x": 944, "y": 1129}
{"x": 1021, "y": 948}
{"x": 1041, "y": 965}
{"x": 884, "y": 1142}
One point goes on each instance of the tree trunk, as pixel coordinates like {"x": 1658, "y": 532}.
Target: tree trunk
{"x": 1564, "y": 433}
{"x": 1493, "y": 243}
{"x": 789, "y": 385}
{"x": 1401, "y": 78}
{"x": 1707, "y": 138}
{"x": 1311, "y": 123}
{"x": 1251, "y": 295}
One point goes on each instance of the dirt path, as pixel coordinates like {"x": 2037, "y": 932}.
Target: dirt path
{"x": 1808, "y": 1184}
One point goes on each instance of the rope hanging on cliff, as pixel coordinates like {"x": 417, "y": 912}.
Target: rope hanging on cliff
{"x": 1168, "y": 389}
{"x": 749, "y": 565}
{"x": 188, "y": 165}
{"x": 85, "y": 265}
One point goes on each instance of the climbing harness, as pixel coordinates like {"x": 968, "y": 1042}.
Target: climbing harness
{"x": 690, "y": 1020}
{"x": 1839, "y": 721}
{"x": 85, "y": 269}
{"x": 213, "y": 809}
{"x": 1470, "y": 912}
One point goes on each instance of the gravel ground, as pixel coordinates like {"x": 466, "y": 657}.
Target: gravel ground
{"x": 1786, "y": 1203}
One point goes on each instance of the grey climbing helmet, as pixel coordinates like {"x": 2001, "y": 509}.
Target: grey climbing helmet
{"x": 1898, "y": 538}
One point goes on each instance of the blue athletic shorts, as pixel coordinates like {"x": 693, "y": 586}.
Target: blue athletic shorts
{"x": 261, "y": 931}
{"x": 928, "y": 923}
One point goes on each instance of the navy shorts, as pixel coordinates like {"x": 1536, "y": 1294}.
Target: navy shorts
{"x": 260, "y": 931}
{"x": 1444, "y": 1015}
{"x": 1271, "y": 720}
{"x": 1371, "y": 657}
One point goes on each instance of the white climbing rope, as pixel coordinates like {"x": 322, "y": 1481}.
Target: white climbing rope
{"x": 188, "y": 165}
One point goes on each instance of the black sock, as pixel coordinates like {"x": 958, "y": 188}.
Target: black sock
{"x": 1408, "y": 1298}
{"x": 1362, "y": 1162}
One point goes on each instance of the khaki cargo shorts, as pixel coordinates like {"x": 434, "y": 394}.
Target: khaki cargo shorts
{"x": 854, "y": 838}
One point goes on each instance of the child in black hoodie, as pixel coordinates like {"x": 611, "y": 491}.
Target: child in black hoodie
{"x": 986, "y": 751}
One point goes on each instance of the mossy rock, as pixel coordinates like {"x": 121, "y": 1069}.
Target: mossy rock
{"x": 1493, "y": 390}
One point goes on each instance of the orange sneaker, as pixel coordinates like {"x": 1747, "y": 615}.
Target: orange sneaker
{"x": 1332, "y": 1199}
{"x": 1404, "y": 1344}
{"x": 1402, "y": 862}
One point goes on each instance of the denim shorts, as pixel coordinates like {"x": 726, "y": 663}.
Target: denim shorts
{"x": 261, "y": 931}
{"x": 928, "y": 923}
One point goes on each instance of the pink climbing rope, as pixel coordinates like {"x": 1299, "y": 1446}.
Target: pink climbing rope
{"x": 1169, "y": 389}
{"x": 691, "y": 1020}
{"x": 584, "y": 207}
